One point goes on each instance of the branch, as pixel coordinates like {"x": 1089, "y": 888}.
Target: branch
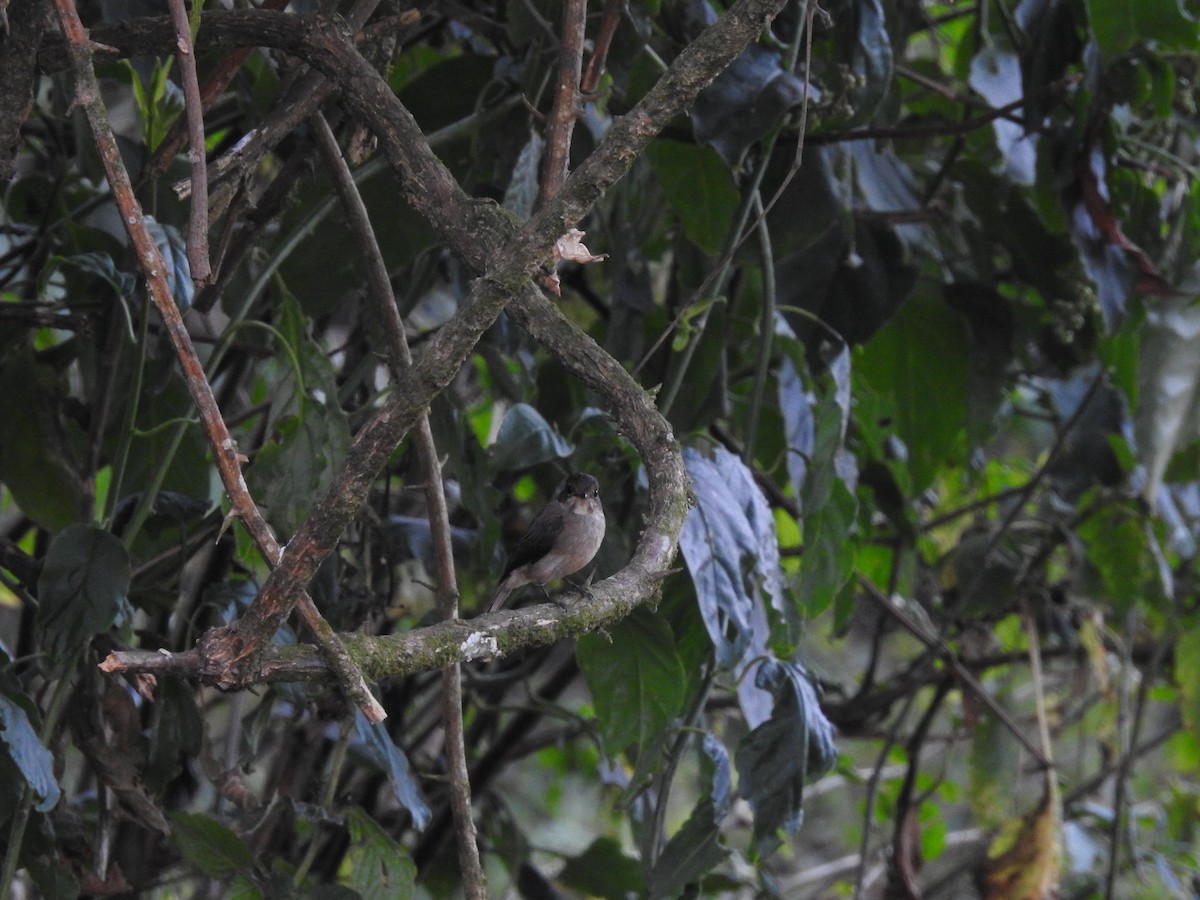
{"x": 483, "y": 236}
{"x": 561, "y": 124}
{"x": 197, "y": 235}
{"x": 154, "y": 268}
{"x": 383, "y": 304}
{"x": 966, "y": 680}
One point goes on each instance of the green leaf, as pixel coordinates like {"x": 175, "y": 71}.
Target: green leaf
{"x": 82, "y": 589}
{"x": 34, "y": 463}
{"x": 700, "y": 190}
{"x": 376, "y": 866}
{"x": 602, "y": 870}
{"x": 1116, "y": 544}
{"x": 636, "y": 678}
{"x": 695, "y": 849}
{"x": 525, "y": 439}
{"x": 918, "y": 366}
{"x": 828, "y": 550}
{"x": 210, "y": 846}
{"x": 29, "y": 754}
{"x": 1187, "y": 676}
{"x": 291, "y": 472}
{"x": 781, "y": 754}
{"x": 692, "y": 852}
{"x": 1120, "y": 24}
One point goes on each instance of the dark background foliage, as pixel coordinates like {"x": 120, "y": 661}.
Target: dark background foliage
{"x": 913, "y": 284}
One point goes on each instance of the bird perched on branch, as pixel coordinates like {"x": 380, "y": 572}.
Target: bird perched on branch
{"x": 561, "y": 539}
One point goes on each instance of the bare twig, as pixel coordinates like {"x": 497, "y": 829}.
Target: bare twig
{"x": 613, "y": 10}
{"x": 383, "y": 305}
{"x": 561, "y": 123}
{"x": 224, "y": 72}
{"x": 197, "y": 237}
{"x": 961, "y": 673}
{"x": 225, "y": 451}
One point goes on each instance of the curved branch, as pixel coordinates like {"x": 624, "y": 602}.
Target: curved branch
{"x": 486, "y": 238}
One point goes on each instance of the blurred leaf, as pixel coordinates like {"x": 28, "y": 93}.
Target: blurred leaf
{"x": 376, "y": 866}
{"x": 696, "y": 849}
{"x": 636, "y": 679}
{"x": 526, "y": 439}
{"x": 745, "y": 102}
{"x": 1120, "y": 24}
{"x": 1024, "y": 860}
{"x": 29, "y": 754}
{"x": 1055, "y": 29}
{"x": 1117, "y": 547}
{"x": 210, "y": 846}
{"x": 603, "y": 870}
{"x": 377, "y": 745}
{"x": 1187, "y": 676}
{"x": 34, "y": 464}
{"x": 920, "y": 360}
{"x": 1168, "y": 410}
{"x": 293, "y": 470}
{"x": 828, "y": 550}
{"x": 523, "y": 187}
{"x": 699, "y": 188}
{"x": 796, "y": 404}
{"x": 177, "y": 730}
{"x": 994, "y": 769}
{"x": 996, "y": 76}
{"x": 173, "y": 248}
{"x": 775, "y": 759}
{"x": 82, "y": 589}
{"x": 692, "y": 851}
{"x": 864, "y": 41}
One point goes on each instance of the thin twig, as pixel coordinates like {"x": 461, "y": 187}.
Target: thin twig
{"x": 961, "y": 673}
{"x": 216, "y": 82}
{"x": 382, "y": 302}
{"x": 1060, "y": 440}
{"x": 611, "y": 18}
{"x": 561, "y": 123}
{"x": 225, "y": 451}
{"x": 197, "y": 236}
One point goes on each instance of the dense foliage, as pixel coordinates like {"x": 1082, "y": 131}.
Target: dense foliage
{"x": 913, "y": 284}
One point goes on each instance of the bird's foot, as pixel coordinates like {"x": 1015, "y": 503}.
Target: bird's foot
{"x": 581, "y": 589}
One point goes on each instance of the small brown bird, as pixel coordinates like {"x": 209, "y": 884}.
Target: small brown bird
{"x": 561, "y": 539}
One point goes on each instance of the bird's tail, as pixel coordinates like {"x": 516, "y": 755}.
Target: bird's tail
{"x": 499, "y": 597}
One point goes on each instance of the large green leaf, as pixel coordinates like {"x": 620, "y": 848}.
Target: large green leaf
{"x": 699, "y": 189}
{"x": 603, "y": 870}
{"x": 210, "y": 846}
{"x": 34, "y": 462}
{"x": 1187, "y": 676}
{"x": 1120, "y": 24}
{"x": 82, "y": 589}
{"x": 637, "y": 681}
{"x": 918, "y": 366}
{"x": 376, "y": 866}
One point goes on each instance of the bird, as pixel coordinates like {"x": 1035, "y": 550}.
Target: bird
{"x": 562, "y": 538}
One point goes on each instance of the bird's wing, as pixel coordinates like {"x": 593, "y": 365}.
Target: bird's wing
{"x": 538, "y": 538}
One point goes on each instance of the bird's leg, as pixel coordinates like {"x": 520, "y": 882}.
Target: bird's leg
{"x": 583, "y": 589}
